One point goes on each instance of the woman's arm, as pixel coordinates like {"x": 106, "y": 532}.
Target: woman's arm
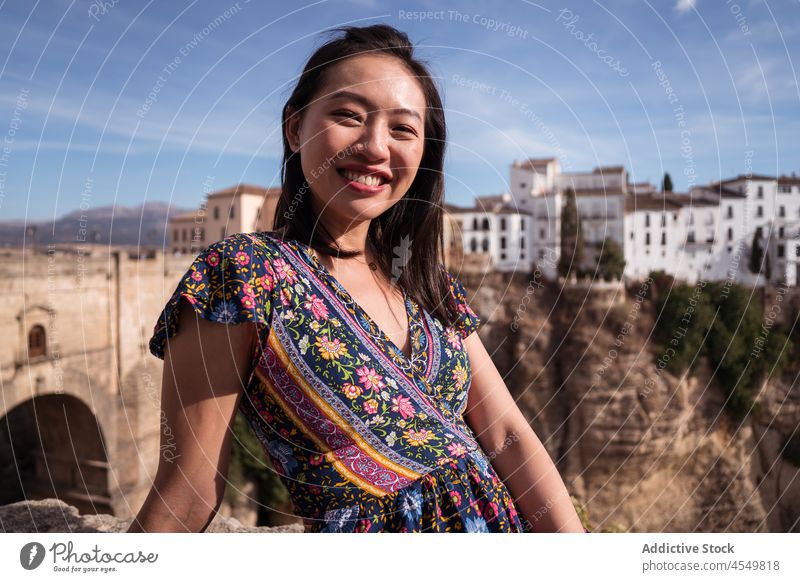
{"x": 517, "y": 454}
{"x": 205, "y": 367}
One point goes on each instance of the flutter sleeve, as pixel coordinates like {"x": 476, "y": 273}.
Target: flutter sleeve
{"x": 229, "y": 282}
{"x": 467, "y": 320}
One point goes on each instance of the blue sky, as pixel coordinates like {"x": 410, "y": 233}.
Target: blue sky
{"x": 591, "y": 84}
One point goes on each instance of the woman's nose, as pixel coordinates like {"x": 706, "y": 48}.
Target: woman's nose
{"x": 374, "y": 143}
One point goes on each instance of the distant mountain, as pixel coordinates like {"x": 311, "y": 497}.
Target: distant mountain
{"x": 144, "y": 225}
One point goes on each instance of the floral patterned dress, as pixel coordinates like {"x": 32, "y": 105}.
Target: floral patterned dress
{"x": 364, "y": 438}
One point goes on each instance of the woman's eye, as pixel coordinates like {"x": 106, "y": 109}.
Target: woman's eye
{"x": 346, "y": 114}
{"x": 407, "y": 129}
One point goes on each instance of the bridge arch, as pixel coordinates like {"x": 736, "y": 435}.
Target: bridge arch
{"x": 53, "y": 446}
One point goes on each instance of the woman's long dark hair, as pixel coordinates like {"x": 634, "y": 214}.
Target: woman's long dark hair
{"x": 417, "y": 218}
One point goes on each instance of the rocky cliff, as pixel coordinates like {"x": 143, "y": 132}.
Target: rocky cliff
{"x": 641, "y": 449}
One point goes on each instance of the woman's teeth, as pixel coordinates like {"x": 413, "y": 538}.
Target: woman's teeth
{"x": 362, "y": 178}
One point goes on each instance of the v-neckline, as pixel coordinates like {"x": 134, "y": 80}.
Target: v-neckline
{"x": 314, "y": 263}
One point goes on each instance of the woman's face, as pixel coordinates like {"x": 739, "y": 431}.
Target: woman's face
{"x": 361, "y": 138}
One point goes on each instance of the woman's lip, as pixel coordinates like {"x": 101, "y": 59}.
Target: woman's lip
{"x": 362, "y": 187}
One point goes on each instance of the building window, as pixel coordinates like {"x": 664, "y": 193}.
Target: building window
{"x": 781, "y": 232}
{"x": 780, "y": 250}
{"x": 663, "y": 220}
{"x": 730, "y": 211}
{"x": 761, "y": 191}
{"x": 502, "y": 242}
{"x": 176, "y": 235}
{"x": 759, "y": 232}
{"x": 502, "y": 223}
{"x": 647, "y": 238}
{"x": 473, "y": 245}
{"x": 730, "y": 234}
{"x": 522, "y": 242}
{"x": 663, "y": 238}
{"x": 522, "y": 223}
{"x": 784, "y": 189}
{"x": 183, "y": 235}
{"x": 782, "y": 211}
{"x": 523, "y": 185}
{"x": 502, "y": 256}
{"x": 485, "y": 224}
{"x": 485, "y": 245}
{"x": 797, "y": 251}
{"x": 230, "y": 212}
{"x": 760, "y": 211}
{"x": 36, "y": 342}
{"x": 647, "y": 219}
{"x": 541, "y": 233}
{"x": 541, "y": 254}
{"x": 216, "y": 212}
{"x": 690, "y": 236}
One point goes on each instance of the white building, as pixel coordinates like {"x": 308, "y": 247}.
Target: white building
{"x": 494, "y": 227}
{"x": 537, "y": 196}
{"x": 704, "y": 234}
{"x": 654, "y": 233}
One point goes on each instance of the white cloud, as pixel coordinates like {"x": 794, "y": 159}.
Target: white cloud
{"x": 685, "y": 5}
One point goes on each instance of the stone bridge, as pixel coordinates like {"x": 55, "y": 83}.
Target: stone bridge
{"x": 80, "y": 408}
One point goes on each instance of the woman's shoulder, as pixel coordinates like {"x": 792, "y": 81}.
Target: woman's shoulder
{"x": 467, "y": 320}
{"x": 230, "y": 281}
{"x": 254, "y": 249}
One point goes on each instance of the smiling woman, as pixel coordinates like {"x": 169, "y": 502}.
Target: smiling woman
{"x": 345, "y": 341}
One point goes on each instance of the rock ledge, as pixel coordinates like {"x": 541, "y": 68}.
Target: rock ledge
{"x": 55, "y": 516}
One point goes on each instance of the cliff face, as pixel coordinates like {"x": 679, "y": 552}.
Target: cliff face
{"x": 642, "y": 449}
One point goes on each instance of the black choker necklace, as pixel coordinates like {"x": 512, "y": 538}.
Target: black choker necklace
{"x": 313, "y": 253}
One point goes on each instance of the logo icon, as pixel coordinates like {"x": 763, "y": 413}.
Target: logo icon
{"x": 31, "y": 555}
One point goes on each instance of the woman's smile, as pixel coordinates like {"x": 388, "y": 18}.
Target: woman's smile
{"x": 361, "y": 182}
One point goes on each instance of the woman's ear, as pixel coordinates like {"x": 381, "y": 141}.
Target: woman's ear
{"x": 293, "y": 129}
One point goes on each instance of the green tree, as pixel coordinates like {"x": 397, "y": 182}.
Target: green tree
{"x": 571, "y": 236}
{"x": 743, "y": 369}
{"x": 726, "y": 326}
{"x": 730, "y": 345}
{"x": 249, "y": 463}
{"x": 756, "y": 254}
{"x": 767, "y": 268}
{"x": 666, "y": 184}
{"x": 611, "y": 262}
{"x": 684, "y": 317}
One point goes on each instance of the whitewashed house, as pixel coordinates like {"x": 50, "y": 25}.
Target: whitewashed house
{"x": 705, "y": 234}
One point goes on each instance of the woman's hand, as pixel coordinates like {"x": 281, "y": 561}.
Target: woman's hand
{"x": 205, "y": 367}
